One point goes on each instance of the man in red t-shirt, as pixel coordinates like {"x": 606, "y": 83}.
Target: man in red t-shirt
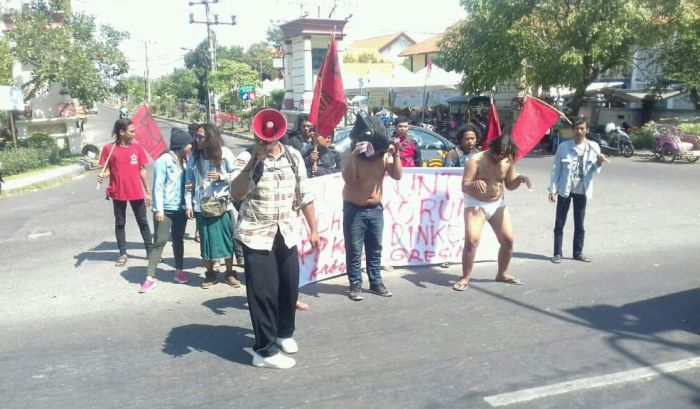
{"x": 409, "y": 152}
{"x": 126, "y": 168}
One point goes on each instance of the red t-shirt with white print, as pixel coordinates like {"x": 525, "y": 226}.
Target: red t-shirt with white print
{"x": 124, "y": 171}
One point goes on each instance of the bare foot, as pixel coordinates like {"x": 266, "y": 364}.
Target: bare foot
{"x": 302, "y": 306}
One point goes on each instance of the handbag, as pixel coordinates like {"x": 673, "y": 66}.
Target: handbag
{"x": 211, "y": 206}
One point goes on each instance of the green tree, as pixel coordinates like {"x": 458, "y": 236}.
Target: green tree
{"x": 274, "y": 36}
{"x": 229, "y": 77}
{"x": 182, "y": 83}
{"x": 259, "y": 56}
{"x": 198, "y": 61}
{"x": 132, "y": 89}
{"x": 548, "y": 43}
{"x": 679, "y": 60}
{"x": 76, "y": 54}
{"x": 5, "y": 63}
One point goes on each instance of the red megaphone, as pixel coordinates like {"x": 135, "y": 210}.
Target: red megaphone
{"x": 269, "y": 124}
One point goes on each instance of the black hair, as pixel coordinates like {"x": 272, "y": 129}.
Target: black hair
{"x": 400, "y": 119}
{"x": 192, "y": 128}
{"x": 504, "y": 145}
{"x": 301, "y": 118}
{"x": 463, "y": 131}
{"x": 121, "y": 124}
{"x": 212, "y": 144}
{"x": 580, "y": 120}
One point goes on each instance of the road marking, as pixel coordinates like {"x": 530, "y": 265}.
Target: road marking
{"x": 525, "y": 395}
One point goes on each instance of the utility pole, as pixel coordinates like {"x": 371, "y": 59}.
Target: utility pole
{"x": 148, "y": 78}
{"x": 212, "y": 99}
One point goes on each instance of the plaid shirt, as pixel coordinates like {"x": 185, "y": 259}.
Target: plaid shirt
{"x": 269, "y": 205}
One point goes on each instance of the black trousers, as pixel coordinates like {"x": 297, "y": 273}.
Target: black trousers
{"x": 563, "y": 204}
{"x": 272, "y": 284}
{"x": 139, "y": 209}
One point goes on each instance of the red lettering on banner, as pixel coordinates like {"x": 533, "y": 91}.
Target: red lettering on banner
{"x": 428, "y": 255}
{"x": 338, "y": 245}
{"x": 427, "y": 209}
{"x": 319, "y": 272}
{"x": 422, "y": 186}
{"x": 414, "y": 256}
{"x": 337, "y": 221}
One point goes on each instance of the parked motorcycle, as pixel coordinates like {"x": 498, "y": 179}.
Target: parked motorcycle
{"x": 614, "y": 142}
{"x": 670, "y": 147}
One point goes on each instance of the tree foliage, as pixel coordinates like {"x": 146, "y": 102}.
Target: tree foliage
{"x": 229, "y": 77}
{"x": 5, "y": 63}
{"x": 275, "y": 36}
{"x": 182, "y": 83}
{"x": 679, "y": 60}
{"x": 132, "y": 88}
{"x": 259, "y": 56}
{"x": 85, "y": 59}
{"x": 548, "y": 43}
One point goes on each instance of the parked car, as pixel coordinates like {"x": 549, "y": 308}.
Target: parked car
{"x": 433, "y": 146}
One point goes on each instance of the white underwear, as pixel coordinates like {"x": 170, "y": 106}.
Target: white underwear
{"x": 489, "y": 208}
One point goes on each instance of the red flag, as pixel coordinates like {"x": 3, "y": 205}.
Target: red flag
{"x": 147, "y": 133}
{"x": 534, "y": 120}
{"x": 493, "y": 128}
{"x": 328, "y": 106}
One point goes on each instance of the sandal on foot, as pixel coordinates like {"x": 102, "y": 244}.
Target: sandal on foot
{"x": 512, "y": 281}
{"x": 460, "y": 286}
{"x": 121, "y": 261}
{"x": 302, "y": 306}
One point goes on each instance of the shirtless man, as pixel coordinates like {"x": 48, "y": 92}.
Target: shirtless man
{"x": 363, "y": 217}
{"x": 485, "y": 176}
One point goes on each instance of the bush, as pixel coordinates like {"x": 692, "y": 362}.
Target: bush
{"x": 196, "y": 116}
{"x": 39, "y": 140}
{"x": 693, "y": 129}
{"x": 26, "y": 159}
{"x": 644, "y": 138}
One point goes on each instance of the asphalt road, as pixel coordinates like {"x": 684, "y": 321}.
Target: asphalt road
{"x": 74, "y": 332}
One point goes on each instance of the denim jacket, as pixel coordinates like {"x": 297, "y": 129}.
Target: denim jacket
{"x": 168, "y": 184}
{"x": 203, "y": 187}
{"x": 564, "y": 164}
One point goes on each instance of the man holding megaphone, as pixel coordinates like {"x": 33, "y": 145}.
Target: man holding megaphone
{"x": 270, "y": 182}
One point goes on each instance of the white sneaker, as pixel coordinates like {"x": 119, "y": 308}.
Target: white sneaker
{"x": 276, "y": 361}
{"x": 287, "y": 345}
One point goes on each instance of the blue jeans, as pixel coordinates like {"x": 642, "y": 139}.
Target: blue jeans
{"x": 363, "y": 225}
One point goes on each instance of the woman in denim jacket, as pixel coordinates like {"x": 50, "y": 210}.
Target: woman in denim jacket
{"x": 209, "y": 175}
{"x": 169, "y": 217}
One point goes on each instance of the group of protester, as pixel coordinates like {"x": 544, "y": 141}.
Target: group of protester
{"x": 199, "y": 178}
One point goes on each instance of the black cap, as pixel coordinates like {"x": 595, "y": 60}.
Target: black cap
{"x": 179, "y": 139}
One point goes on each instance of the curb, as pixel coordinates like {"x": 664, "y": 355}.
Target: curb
{"x": 55, "y": 175}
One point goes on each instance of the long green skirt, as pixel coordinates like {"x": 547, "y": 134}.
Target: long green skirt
{"x": 215, "y": 236}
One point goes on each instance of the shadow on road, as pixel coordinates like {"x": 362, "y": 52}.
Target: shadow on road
{"x": 107, "y": 251}
{"x": 642, "y": 321}
{"x": 223, "y": 341}
{"x": 220, "y": 305}
{"x": 317, "y": 288}
{"x": 530, "y": 256}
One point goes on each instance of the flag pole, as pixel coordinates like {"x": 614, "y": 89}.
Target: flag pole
{"x": 102, "y": 173}
{"x": 425, "y": 88}
{"x": 554, "y": 109}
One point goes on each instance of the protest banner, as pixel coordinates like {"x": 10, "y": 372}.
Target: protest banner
{"x": 423, "y": 223}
